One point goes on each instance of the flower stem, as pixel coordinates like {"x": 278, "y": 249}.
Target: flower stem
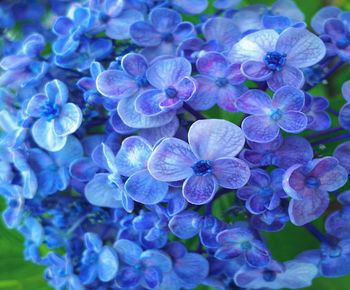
{"x": 331, "y": 139}
{"x": 317, "y": 234}
{"x": 323, "y": 133}
{"x": 193, "y": 112}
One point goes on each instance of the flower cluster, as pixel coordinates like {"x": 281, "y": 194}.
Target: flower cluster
{"x": 149, "y": 152}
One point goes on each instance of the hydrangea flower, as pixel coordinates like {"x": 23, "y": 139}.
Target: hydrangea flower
{"x": 218, "y": 82}
{"x": 173, "y": 85}
{"x": 203, "y": 166}
{"x": 241, "y": 241}
{"x": 263, "y": 191}
{"x": 342, "y": 153}
{"x": 314, "y": 109}
{"x": 15, "y": 200}
{"x": 308, "y": 186}
{"x": 344, "y": 114}
{"x": 267, "y": 56}
{"x": 57, "y": 119}
{"x": 161, "y": 33}
{"x": 269, "y": 116}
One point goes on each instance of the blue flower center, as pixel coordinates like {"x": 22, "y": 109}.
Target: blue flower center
{"x": 245, "y": 246}
{"x": 342, "y": 43}
{"x": 104, "y": 18}
{"x": 171, "y": 92}
{"x": 168, "y": 37}
{"x": 202, "y": 168}
{"x": 312, "y": 182}
{"x": 50, "y": 111}
{"x": 142, "y": 81}
{"x": 276, "y": 114}
{"x": 221, "y": 82}
{"x": 275, "y": 60}
{"x": 269, "y": 275}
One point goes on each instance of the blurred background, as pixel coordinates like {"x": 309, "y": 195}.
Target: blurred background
{"x": 17, "y": 274}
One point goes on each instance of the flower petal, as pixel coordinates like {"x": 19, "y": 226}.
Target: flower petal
{"x": 108, "y": 264}
{"x": 260, "y": 129}
{"x": 192, "y": 268}
{"x": 254, "y": 102}
{"x": 222, "y": 139}
{"x": 322, "y": 16}
{"x": 228, "y": 97}
{"x": 344, "y": 116}
{"x": 293, "y": 122}
{"x": 231, "y": 172}
{"x": 128, "y": 251}
{"x": 185, "y": 225}
{"x": 134, "y": 64}
{"x": 342, "y": 153}
{"x": 205, "y": 95}
{"x": 213, "y": 64}
{"x": 148, "y": 103}
{"x": 171, "y": 160}
{"x": 143, "y": 188}
{"x": 144, "y": 34}
{"x": 69, "y": 120}
{"x": 256, "y": 70}
{"x": 57, "y": 92}
{"x": 288, "y": 99}
{"x": 199, "y": 189}
{"x": 164, "y": 20}
{"x": 35, "y": 104}
{"x": 289, "y": 76}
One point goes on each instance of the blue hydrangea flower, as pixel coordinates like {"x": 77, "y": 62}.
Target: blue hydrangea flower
{"x": 309, "y": 185}
{"x": 293, "y": 274}
{"x": 342, "y": 153}
{"x": 314, "y": 109}
{"x": 173, "y": 85}
{"x": 57, "y": 119}
{"x": 269, "y": 116}
{"x": 218, "y": 82}
{"x": 203, "y": 165}
{"x": 115, "y": 18}
{"x": 281, "y": 152}
{"x": 98, "y": 261}
{"x": 25, "y": 68}
{"x": 263, "y": 191}
{"x": 267, "y": 56}
{"x": 161, "y": 33}
{"x": 241, "y": 241}
{"x": 325, "y": 13}
{"x": 13, "y": 213}
{"x": 131, "y": 161}
{"x": 271, "y": 221}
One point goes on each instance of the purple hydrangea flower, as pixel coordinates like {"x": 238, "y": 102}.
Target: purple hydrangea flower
{"x": 314, "y": 109}
{"x": 218, "y": 82}
{"x": 161, "y": 33}
{"x": 203, "y": 165}
{"x": 293, "y": 274}
{"x": 269, "y": 116}
{"x": 173, "y": 85}
{"x": 308, "y": 186}
{"x": 241, "y": 241}
{"x": 281, "y": 152}
{"x": 267, "y": 56}
{"x": 263, "y": 191}
{"x": 57, "y": 119}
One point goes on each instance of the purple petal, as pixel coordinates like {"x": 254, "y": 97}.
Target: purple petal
{"x": 83, "y": 169}
{"x": 256, "y": 71}
{"x": 236, "y": 235}
{"x": 254, "y": 46}
{"x": 144, "y": 34}
{"x": 143, "y": 188}
{"x": 221, "y": 29}
{"x": 15, "y": 62}
{"x": 287, "y": 8}
{"x": 228, "y": 97}
{"x": 228, "y": 252}
{"x": 199, "y": 189}
{"x": 260, "y": 129}
{"x": 132, "y": 155}
{"x": 185, "y": 88}
{"x": 231, "y": 173}
{"x": 171, "y": 160}
{"x": 108, "y": 264}
{"x": 346, "y": 91}
{"x": 342, "y": 153}
{"x": 115, "y": 83}
{"x": 57, "y": 92}
{"x": 288, "y": 99}
{"x": 257, "y": 257}
{"x": 118, "y": 125}
{"x": 69, "y": 120}
{"x": 148, "y": 103}
{"x": 234, "y": 74}
{"x": 134, "y": 64}
{"x": 289, "y": 76}
{"x": 293, "y": 122}
{"x": 35, "y": 105}
{"x": 167, "y": 72}
{"x": 192, "y": 268}
{"x": 254, "y": 102}
{"x": 118, "y": 28}
{"x": 213, "y": 64}
{"x": 312, "y": 206}
{"x": 205, "y": 95}
{"x": 344, "y": 116}
{"x": 321, "y": 121}
{"x": 164, "y": 20}
{"x": 257, "y": 204}
{"x": 184, "y": 31}
{"x": 62, "y": 26}
{"x": 185, "y": 225}
{"x": 302, "y": 47}
{"x": 222, "y": 139}
{"x": 335, "y": 29}
{"x": 130, "y": 117}
{"x": 322, "y": 16}
{"x": 191, "y": 6}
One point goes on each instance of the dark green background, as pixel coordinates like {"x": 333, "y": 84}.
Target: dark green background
{"x": 17, "y": 274}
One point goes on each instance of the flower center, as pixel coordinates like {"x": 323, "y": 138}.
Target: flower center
{"x": 168, "y": 37}
{"x": 104, "y": 18}
{"x": 221, "y": 82}
{"x": 266, "y": 191}
{"x": 275, "y": 60}
{"x": 142, "y": 81}
{"x": 50, "y": 111}
{"x": 276, "y": 114}
{"x": 312, "y": 182}
{"x": 342, "y": 43}
{"x": 202, "y": 168}
{"x": 171, "y": 92}
{"x": 245, "y": 246}
{"x": 269, "y": 275}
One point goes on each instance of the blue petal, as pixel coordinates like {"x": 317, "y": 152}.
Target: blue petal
{"x": 108, "y": 264}
{"x": 93, "y": 242}
{"x": 144, "y": 34}
{"x": 128, "y": 251}
{"x": 164, "y": 20}
{"x": 156, "y": 258}
{"x": 134, "y": 64}
{"x": 185, "y": 225}
{"x": 57, "y": 92}
{"x": 69, "y": 120}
